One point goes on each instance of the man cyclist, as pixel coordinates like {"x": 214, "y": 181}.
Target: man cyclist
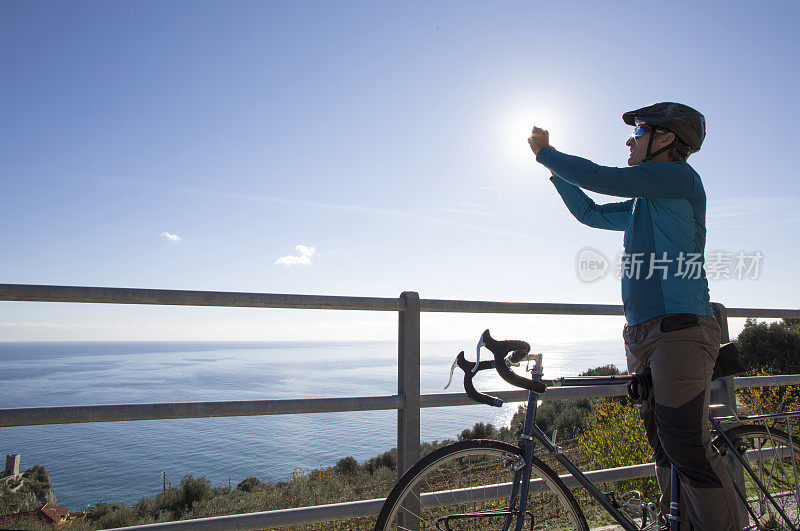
{"x": 670, "y": 324}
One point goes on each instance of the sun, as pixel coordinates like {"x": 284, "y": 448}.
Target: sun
{"x": 513, "y": 127}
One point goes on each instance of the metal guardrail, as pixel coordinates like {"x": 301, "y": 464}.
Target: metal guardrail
{"x": 407, "y": 401}
{"x": 36, "y": 416}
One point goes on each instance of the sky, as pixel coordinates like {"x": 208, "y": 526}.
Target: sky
{"x": 369, "y": 148}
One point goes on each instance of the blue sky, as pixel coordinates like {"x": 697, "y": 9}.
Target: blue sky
{"x": 388, "y": 137}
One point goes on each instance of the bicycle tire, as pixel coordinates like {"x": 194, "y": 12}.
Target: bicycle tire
{"x": 777, "y": 473}
{"x": 474, "y": 476}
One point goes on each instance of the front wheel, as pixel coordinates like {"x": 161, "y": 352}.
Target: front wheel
{"x": 468, "y": 484}
{"x": 774, "y": 457}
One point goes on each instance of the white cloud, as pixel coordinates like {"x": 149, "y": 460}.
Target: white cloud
{"x": 170, "y": 237}
{"x": 304, "y": 258}
{"x": 305, "y": 250}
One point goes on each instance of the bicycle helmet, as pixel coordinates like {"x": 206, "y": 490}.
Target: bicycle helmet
{"x": 688, "y": 125}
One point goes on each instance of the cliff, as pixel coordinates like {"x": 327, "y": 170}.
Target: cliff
{"x": 26, "y": 492}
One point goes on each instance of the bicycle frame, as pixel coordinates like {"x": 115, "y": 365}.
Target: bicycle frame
{"x": 530, "y": 428}
{"x": 521, "y": 482}
{"x": 586, "y": 483}
{"x": 510, "y": 353}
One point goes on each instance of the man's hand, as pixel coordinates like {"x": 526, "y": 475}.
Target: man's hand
{"x": 539, "y": 139}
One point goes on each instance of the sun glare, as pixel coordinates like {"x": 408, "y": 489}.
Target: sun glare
{"x": 514, "y": 126}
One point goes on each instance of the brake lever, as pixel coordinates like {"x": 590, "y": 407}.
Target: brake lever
{"x": 453, "y": 368}
{"x": 478, "y": 353}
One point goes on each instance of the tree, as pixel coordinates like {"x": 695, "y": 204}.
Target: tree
{"x": 776, "y": 345}
{"x": 770, "y": 349}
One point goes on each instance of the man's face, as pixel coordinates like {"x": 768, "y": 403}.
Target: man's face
{"x": 641, "y": 137}
{"x": 638, "y": 144}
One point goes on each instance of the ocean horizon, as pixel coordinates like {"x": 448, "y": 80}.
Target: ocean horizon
{"x": 121, "y": 462}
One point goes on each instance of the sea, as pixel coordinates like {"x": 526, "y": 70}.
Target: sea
{"x": 121, "y": 462}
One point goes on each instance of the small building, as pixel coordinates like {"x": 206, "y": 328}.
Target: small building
{"x": 47, "y": 514}
{"x": 54, "y": 513}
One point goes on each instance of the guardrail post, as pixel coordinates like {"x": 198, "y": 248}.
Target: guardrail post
{"x": 726, "y": 394}
{"x": 408, "y": 424}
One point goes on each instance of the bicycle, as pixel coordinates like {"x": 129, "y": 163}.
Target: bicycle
{"x": 488, "y": 484}
{"x": 769, "y": 457}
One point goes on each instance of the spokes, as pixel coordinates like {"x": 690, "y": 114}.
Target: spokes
{"x": 467, "y": 491}
{"x": 772, "y": 458}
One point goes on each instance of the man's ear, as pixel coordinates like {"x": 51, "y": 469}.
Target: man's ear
{"x": 668, "y": 138}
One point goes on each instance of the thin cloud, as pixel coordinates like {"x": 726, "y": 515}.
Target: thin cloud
{"x": 340, "y": 207}
{"x": 754, "y": 215}
{"x": 465, "y": 211}
{"x": 171, "y": 237}
{"x": 302, "y": 259}
{"x": 44, "y": 325}
{"x": 469, "y": 209}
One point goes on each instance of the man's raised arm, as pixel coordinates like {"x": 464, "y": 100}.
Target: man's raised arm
{"x": 611, "y": 216}
{"x": 656, "y": 179}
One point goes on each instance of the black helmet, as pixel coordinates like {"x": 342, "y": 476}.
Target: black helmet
{"x": 686, "y": 123}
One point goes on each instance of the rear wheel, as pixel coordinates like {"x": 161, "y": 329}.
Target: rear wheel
{"x": 467, "y": 485}
{"x": 774, "y": 458}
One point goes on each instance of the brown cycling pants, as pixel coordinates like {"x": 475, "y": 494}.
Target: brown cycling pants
{"x": 680, "y": 350}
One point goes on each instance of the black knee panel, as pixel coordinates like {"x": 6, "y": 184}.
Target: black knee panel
{"x": 681, "y": 436}
{"x": 651, "y": 431}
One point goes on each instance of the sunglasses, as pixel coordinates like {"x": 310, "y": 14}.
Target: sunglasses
{"x": 641, "y": 130}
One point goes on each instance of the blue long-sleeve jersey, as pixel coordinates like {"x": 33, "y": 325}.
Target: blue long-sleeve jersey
{"x": 664, "y": 224}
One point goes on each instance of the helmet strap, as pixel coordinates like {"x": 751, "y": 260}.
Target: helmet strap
{"x": 649, "y": 156}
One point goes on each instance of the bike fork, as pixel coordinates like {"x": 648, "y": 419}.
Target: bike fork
{"x": 522, "y": 478}
{"x": 674, "y": 500}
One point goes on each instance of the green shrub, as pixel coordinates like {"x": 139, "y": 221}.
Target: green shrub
{"x": 37, "y": 473}
{"x": 603, "y": 370}
{"x": 347, "y": 466}
{"x": 122, "y": 517}
{"x": 194, "y": 489}
{"x": 792, "y": 324}
{"x": 615, "y": 437}
{"x": 171, "y": 504}
{"x": 478, "y": 431}
{"x": 248, "y": 484}
{"x": 100, "y": 510}
{"x": 384, "y": 460}
{"x": 566, "y": 416}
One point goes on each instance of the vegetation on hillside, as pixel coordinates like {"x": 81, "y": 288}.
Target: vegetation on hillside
{"x": 566, "y": 416}
{"x": 616, "y": 438}
{"x": 26, "y": 493}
